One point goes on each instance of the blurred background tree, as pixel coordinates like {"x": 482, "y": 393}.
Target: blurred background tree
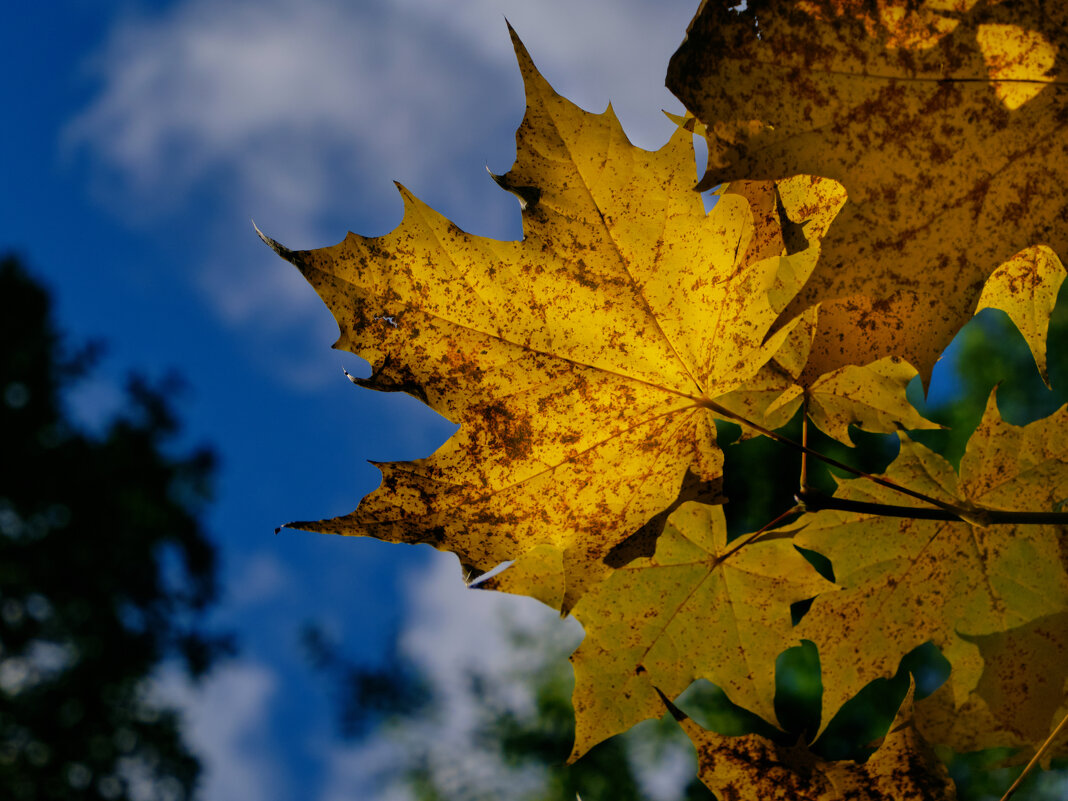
{"x": 515, "y": 747}
{"x": 105, "y": 573}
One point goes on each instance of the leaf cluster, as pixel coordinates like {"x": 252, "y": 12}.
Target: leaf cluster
{"x": 882, "y": 171}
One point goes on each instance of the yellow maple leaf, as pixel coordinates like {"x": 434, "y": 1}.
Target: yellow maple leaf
{"x": 871, "y": 397}
{"x": 1025, "y": 288}
{"x": 753, "y": 768}
{"x": 943, "y": 120}
{"x": 1007, "y": 689}
{"x": 906, "y": 581}
{"x": 695, "y": 609}
{"x": 581, "y": 362}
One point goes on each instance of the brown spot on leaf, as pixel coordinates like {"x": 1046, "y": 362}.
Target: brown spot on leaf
{"x": 509, "y": 429}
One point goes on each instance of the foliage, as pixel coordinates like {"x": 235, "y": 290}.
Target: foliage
{"x": 942, "y": 120}
{"x": 905, "y": 581}
{"x": 753, "y": 768}
{"x": 104, "y": 572}
{"x": 884, "y": 170}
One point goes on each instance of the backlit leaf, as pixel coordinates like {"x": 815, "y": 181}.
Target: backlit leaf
{"x": 753, "y": 768}
{"x": 906, "y": 581}
{"x": 580, "y": 379}
{"x": 1009, "y": 690}
{"x": 945, "y": 122}
{"x": 871, "y": 397}
{"x": 1025, "y": 288}
{"x": 694, "y": 610}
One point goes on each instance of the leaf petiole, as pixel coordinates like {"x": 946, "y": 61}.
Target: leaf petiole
{"x": 761, "y": 531}
{"x": 1034, "y": 760}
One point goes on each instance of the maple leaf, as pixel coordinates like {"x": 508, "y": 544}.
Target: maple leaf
{"x": 698, "y": 608}
{"x": 906, "y": 581}
{"x": 753, "y": 768}
{"x": 1007, "y": 689}
{"x": 1025, "y": 288}
{"x": 582, "y": 382}
{"x": 945, "y": 122}
{"x": 871, "y": 397}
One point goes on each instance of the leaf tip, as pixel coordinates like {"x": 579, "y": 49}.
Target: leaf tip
{"x": 533, "y": 81}
{"x": 527, "y": 196}
{"x": 676, "y": 713}
{"x": 277, "y": 247}
{"x": 517, "y": 43}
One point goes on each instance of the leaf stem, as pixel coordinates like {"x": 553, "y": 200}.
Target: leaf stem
{"x": 1034, "y": 760}
{"x": 791, "y": 511}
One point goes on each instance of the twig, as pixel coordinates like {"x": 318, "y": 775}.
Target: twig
{"x": 791, "y": 511}
{"x": 817, "y": 501}
{"x": 1034, "y": 760}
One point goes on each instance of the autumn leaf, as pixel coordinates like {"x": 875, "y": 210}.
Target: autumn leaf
{"x": 1025, "y": 288}
{"x": 753, "y": 768}
{"x": 906, "y": 581}
{"x": 581, "y": 362}
{"x": 1008, "y": 689}
{"x": 587, "y": 364}
{"x": 871, "y": 397}
{"x": 945, "y": 122}
{"x": 698, "y": 608}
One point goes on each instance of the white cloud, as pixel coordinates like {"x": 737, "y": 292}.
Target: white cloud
{"x": 452, "y": 634}
{"x": 663, "y": 767}
{"x": 273, "y": 92}
{"x": 1054, "y": 785}
{"x": 483, "y": 653}
{"x": 225, "y": 717}
{"x": 260, "y": 577}
{"x": 93, "y": 401}
{"x": 263, "y": 94}
{"x": 593, "y": 51}
{"x": 300, "y": 112}
{"x": 453, "y": 631}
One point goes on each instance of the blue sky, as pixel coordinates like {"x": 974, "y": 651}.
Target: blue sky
{"x": 141, "y": 139}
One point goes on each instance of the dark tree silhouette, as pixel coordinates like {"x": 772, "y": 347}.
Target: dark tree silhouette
{"x": 105, "y": 572}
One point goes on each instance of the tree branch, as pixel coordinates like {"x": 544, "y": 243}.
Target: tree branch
{"x": 1034, "y": 760}
{"x": 817, "y": 501}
